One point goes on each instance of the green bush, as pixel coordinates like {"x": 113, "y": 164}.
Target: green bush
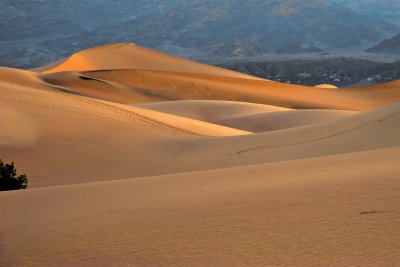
{"x": 9, "y": 180}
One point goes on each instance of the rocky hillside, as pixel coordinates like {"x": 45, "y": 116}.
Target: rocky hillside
{"x": 388, "y": 10}
{"x": 387, "y": 46}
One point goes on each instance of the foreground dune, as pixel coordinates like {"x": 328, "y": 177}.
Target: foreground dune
{"x": 308, "y": 212}
{"x": 245, "y": 116}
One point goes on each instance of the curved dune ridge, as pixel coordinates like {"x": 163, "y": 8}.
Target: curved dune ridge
{"x": 132, "y": 56}
{"x": 187, "y": 164}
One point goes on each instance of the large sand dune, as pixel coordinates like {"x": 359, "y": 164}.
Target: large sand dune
{"x": 232, "y": 174}
{"x": 132, "y": 56}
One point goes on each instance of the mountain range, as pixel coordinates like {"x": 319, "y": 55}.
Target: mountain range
{"x": 340, "y": 71}
{"x": 204, "y": 30}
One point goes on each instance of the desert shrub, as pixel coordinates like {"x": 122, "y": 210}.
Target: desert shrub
{"x": 9, "y": 180}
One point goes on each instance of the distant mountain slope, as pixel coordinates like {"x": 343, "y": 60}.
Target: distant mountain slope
{"x": 199, "y": 29}
{"x": 387, "y": 46}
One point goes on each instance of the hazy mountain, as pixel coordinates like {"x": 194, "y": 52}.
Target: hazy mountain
{"x": 387, "y": 9}
{"x": 207, "y": 30}
{"x": 387, "y": 46}
{"x": 337, "y": 71}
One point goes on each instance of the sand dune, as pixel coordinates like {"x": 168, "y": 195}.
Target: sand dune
{"x": 240, "y": 171}
{"x": 245, "y": 116}
{"x": 304, "y": 212}
{"x": 132, "y": 56}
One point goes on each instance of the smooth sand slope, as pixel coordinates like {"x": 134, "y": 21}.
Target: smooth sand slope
{"x": 296, "y": 213}
{"x": 245, "y": 116}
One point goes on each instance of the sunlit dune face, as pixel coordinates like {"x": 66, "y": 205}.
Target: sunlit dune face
{"x": 326, "y": 86}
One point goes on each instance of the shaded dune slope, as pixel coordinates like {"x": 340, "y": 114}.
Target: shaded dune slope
{"x": 245, "y": 116}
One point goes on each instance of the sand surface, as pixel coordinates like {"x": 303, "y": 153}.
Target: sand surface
{"x": 137, "y": 158}
{"x": 300, "y": 213}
